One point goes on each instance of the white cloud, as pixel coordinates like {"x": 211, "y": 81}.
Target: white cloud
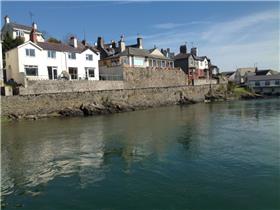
{"x": 168, "y": 25}
{"x": 242, "y": 41}
{"x": 222, "y": 31}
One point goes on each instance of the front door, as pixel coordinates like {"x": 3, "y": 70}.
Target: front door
{"x": 52, "y": 72}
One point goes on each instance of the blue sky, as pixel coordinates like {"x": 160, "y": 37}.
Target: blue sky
{"x": 232, "y": 34}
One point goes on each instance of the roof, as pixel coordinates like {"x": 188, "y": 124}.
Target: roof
{"x": 23, "y": 27}
{"x": 181, "y": 56}
{"x": 186, "y": 55}
{"x": 137, "y": 52}
{"x": 61, "y": 47}
{"x": 228, "y": 73}
{"x": 264, "y": 77}
{"x": 266, "y": 71}
{"x": 58, "y": 47}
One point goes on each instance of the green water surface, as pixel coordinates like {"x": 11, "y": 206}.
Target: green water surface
{"x": 222, "y": 156}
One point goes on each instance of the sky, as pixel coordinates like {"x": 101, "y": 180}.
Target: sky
{"x": 231, "y": 34}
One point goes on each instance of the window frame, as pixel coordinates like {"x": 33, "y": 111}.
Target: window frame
{"x": 28, "y": 52}
{"x": 52, "y": 54}
{"x": 31, "y": 67}
{"x": 89, "y": 57}
{"x": 70, "y": 56}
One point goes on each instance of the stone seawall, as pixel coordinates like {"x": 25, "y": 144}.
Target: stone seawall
{"x": 60, "y": 86}
{"x": 96, "y": 102}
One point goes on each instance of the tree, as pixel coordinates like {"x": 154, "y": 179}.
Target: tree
{"x": 10, "y": 43}
{"x": 53, "y": 40}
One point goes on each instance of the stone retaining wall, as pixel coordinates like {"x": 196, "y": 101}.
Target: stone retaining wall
{"x": 49, "y": 104}
{"x": 66, "y": 86}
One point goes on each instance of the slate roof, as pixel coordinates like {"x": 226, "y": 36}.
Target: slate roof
{"x": 137, "y": 52}
{"x": 266, "y": 71}
{"x": 186, "y": 55}
{"x": 263, "y": 77}
{"x": 22, "y": 27}
{"x": 181, "y": 56}
{"x": 61, "y": 47}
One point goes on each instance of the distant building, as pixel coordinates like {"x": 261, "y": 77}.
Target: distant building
{"x": 131, "y": 55}
{"x": 264, "y": 84}
{"x": 241, "y": 74}
{"x": 18, "y": 30}
{"x": 197, "y": 67}
{"x": 36, "y": 60}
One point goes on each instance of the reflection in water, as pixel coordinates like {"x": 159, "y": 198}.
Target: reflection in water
{"x": 152, "y": 141}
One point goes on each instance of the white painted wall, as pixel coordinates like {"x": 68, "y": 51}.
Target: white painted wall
{"x": 26, "y": 35}
{"x": 203, "y": 64}
{"x": 17, "y": 59}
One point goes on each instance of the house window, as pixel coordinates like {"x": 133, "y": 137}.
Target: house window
{"x": 158, "y": 63}
{"x": 31, "y": 70}
{"x": 154, "y": 63}
{"x": 150, "y": 62}
{"x": 267, "y": 83}
{"x": 139, "y": 61}
{"x": 257, "y": 83}
{"x": 19, "y": 33}
{"x": 277, "y": 82}
{"x": 171, "y": 64}
{"x": 89, "y": 57}
{"x": 163, "y": 64}
{"x": 90, "y": 72}
{"x": 72, "y": 56}
{"x": 51, "y": 54}
{"x": 73, "y": 72}
{"x": 30, "y": 52}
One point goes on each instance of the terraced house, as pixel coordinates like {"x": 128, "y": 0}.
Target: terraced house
{"x": 35, "y": 60}
{"x": 197, "y": 67}
{"x": 16, "y": 30}
{"x": 131, "y": 55}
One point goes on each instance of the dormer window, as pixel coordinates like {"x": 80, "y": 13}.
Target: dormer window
{"x": 51, "y": 54}
{"x": 72, "y": 56}
{"x": 30, "y": 52}
{"x": 19, "y": 33}
{"x": 89, "y": 57}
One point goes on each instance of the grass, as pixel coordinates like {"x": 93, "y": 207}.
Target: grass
{"x": 241, "y": 91}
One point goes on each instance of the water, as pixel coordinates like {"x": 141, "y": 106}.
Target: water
{"x": 203, "y": 156}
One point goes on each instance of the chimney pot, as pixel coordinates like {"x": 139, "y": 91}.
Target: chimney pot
{"x": 34, "y": 25}
{"x": 100, "y": 42}
{"x": 183, "y": 49}
{"x": 194, "y": 51}
{"x": 7, "y": 19}
{"x": 73, "y": 42}
{"x": 122, "y": 44}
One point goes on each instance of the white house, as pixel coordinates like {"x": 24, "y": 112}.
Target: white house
{"x": 51, "y": 61}
{"x": 18, "y": 30}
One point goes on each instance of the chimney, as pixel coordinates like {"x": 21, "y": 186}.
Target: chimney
{"x": 33, "y": 34}
{"x": 122, "y": 44}
{"x": 140, "y": 42}
{"x": 7, "y": 19}
{"x": 113, "y": 44}
{"x": 100, "y": 42}
{"x": 84, "y": 42}
{"x": 194, "y": 51}
{"x": 183, "y": 49}
{"x": 73, "y": 42}
{"x": 34, "y": 25}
